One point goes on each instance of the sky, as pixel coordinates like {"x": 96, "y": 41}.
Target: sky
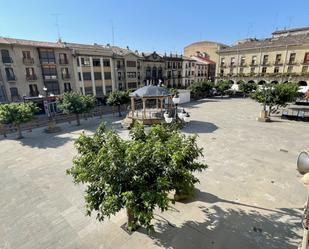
{"x": 149, "y": 25}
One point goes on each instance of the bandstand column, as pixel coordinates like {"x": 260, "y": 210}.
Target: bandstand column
{"x": 132, "y": 106}
{"x": 144, "y": 107}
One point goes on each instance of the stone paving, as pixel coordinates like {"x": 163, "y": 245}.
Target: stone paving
{"x": 249, "y": 197}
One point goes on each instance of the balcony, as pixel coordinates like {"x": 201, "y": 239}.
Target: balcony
{"x": 278, "y": 63}
{"x": 305, "y": 63}
{"x": 63, "y": 61}
{"x": 265, "y": 63}
{"x": 253, "y": 64}
{"x": 28, "y": 61}
{"x": 31, "y": 77}
{"x": 50, "y": 77}
{"x": 243, "y": 64}
{"x": 7, "y": 60}
{"x": 232, "y": 65}
{"x": 34, "y": 93}
{"x": 66, "y": 76}
{"x": 48, "y": 61}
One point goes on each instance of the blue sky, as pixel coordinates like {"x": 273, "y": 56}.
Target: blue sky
{"x": 147, "y": 25}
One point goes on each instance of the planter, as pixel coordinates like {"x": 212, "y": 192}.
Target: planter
{"x": 264, "y": 117}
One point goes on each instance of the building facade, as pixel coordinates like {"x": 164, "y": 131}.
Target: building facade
{"x": 173, "y": 70}
{"x": 284, "y": 57}
{"x": 26, "y": 67}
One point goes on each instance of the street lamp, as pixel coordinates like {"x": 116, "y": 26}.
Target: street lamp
{"x": 303, "y": 168}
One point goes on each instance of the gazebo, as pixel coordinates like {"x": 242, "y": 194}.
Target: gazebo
{"x": 149, "y": 103}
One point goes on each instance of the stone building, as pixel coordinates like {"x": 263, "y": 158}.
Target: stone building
{"x": 153, "y": 68}
{"x": 173, "y": 70}
{"x": 284, "y": 57}
{"x": 26, "y": 67}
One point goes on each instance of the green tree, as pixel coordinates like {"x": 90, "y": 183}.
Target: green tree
{"x": 75, "y": 103}
{"x": 17, "y": 113}
{"x": 118, "y": 98}
{"x": 276, "y": 95}
{"x": 222, "y": 86}
{"x": 135, "y": 174}
{"x": 247, "y": 88}
{"x": 201, "y": 89}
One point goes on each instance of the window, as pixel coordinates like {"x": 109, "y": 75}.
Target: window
{"x": 67, "y": 87}
{"x": 10, "y": 74}
{"x": 85, "y": 61}
{"x": 88, "y": 90}
{"x": 107, "y": 75}
{"x": 278, "y": 58}
{"x": 26, "y": 54}
{"x": 232, "y": 61}
{"x": 131, "y": 63}
{"x": 106, "y": 63}
{"x": 52, "y": 87}
{"x": 131, "y": 75}
{"x": 174, "y": 65}
{"x": 47, "y": 55}
{"x": 242, "y": 61}
{"x": 33, "y": 90}
{"x": 108, "y": 89}
{"x": 290, "y": 69}
{"x": 138, "y": 65}
{"x": 119, "y": 75}
{"x": 148, "y": 72}
{"x": 30, "y": 74}
{"x": 119, "y": 64}
{"x": 306, "y": 59}
{"x": 253, "y": 60}
{"x": 264, "y": 69}
{"x": 160, "y": 73}
{"x": 304, "y": 69}
{"x": 14, "y": 93}
{"x": 241, "y": 70}
{"x": 252, "y": 70}
{"x": 276, "y": 70}
{"x": 265, "y": 59}
{"x": 49, "y": 72}
{"x": 154, "y": 72}
{"x": 65, "y": 73}
{"x": 97, "y": 76}
{"x": 96, "y": 62}
{"x": 138, "y": 75}
{"x": 231, "y": 70}
{"x": 87, "y": 76}
{"x": 292, "y": 58}
{"x": 6, "y": 56}
{"x": 63, "y": 59}
{"x": 99, "y": 90}
{"x": 77, "y": 61}
{"x": 222, "y": 62}
{"x": 79, "y": 76}
{"x": 132, "y": 85}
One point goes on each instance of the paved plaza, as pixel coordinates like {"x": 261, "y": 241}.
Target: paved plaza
{"x": 249, "y": 197}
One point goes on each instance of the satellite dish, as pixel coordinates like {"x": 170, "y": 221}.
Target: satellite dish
{"x": 303, "y": 162}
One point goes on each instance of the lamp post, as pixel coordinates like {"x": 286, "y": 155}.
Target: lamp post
{"x": 51, "y": 127}
{"x": 303, "y": 168}
{"x": 264, "y": 116}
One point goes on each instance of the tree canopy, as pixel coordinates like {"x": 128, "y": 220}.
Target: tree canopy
{"x": 276, "y": 94}
{"x": 201, "y": 89}
{"x": 118, "y": 98}
{"x": 222, "y": 86}
{"x": 17, "y": 113}
{"x": 247, "y": 88}
{"x": 136, "y": 174}
{"x": 75, "y": 103}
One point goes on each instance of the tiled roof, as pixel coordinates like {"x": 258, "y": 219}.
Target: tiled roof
{"x": 124, "y": 51}
{"x": 269, "y": 42}
{"x": 22, "y": 42}
{"x": 206, "y": 42}
{"x": 203, "y": 60}
{"x": 283, "y": 31}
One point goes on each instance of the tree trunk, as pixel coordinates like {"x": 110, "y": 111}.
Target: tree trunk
{"x": 20, "y": 136}
{"x": 132, "y": 222}
{"x": 77, "y": 119}
{"x": 119, "y": 110}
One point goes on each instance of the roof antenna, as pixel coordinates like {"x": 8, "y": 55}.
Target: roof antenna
{"x": 56, "y": 15}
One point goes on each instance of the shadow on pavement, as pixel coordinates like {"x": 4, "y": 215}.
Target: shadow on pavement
{"x": 195, "y": 126}
{"x": 229, "y": 229}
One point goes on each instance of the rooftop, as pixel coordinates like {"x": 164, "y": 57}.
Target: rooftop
{"x": 151, "y": 91}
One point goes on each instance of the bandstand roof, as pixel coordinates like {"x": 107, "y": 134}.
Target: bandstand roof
{"x": 151, "y": 91}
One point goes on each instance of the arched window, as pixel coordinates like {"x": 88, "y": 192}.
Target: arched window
{"x": 160, "y": 74}
{"x": 262, "y": 82}
{"x": 148, "y": 72}
{"x": 274, "y": 82}
{"x": 154, "y": 72}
